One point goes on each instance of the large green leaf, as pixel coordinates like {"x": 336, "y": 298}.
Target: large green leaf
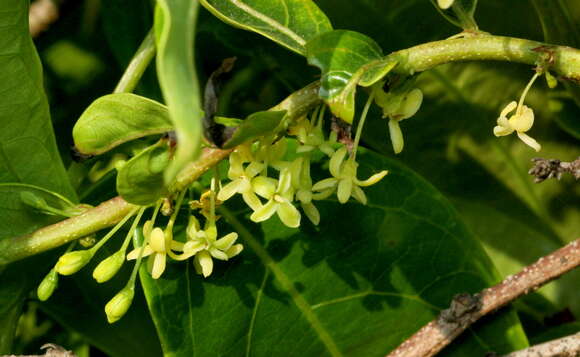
{"x": 291, "y": 23}
{"x": 28, "y": 152}
{"x": 174, "y": 33}
{"x": 344, "y": 57}
{"x": 357, "y": 285}
{"x": 117, "y": 118}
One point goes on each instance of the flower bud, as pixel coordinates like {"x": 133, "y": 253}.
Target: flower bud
{"x": 109, "y": 267}
{"x": 47, "y": 285}
{"x": 119, "y": 304}
{"x": 72, "y": 262}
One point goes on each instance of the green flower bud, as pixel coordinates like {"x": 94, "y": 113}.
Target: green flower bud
{"x": 551, "y": 80}
{"x": 88, "y": 241}
{"x": 109, "y": 267}
{"x": 72, "y": 262}
{"x": 47, "y": 285}
{"x": 119, "y": 304}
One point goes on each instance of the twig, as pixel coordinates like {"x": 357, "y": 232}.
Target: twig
{"x": 563, "y": 347}
{"x": 41, "y": 15}
{"x": 553, "y": 168}
{"x": 466, "y": 309}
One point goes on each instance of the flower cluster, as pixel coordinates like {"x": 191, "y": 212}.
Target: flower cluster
{"x": 290, "y": 184}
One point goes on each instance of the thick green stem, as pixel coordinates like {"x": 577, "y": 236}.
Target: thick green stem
{"x": 104, "y": 215}
{"x": 486, "y": 47}
{"x": 137, "y": 66}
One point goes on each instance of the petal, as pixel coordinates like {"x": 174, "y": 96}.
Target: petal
{"x": 178, "y": 246}
{"x": 344, "y": 190}
{"x": 254, "y": 168}
{"x": 530, "y": 141}
{"x": 323, "y": 194}
{"x": 264, "y": 186}
{"x": 311, "y": 212}
{"x": 159, "y": 260}
{"x": 157, "y": 240}
{"x": 396, "y": 136}
{"x": 445, "y": 4}
{"x": 264, "y": 212}
{"x": 411, "y": 104}
{"x": 304, "y": 196}
{"x": 230, "y": 189}
{"x": 336, "y": 161}
{"x": 236, "y": 168}
{"x": 218, "y": 254}
{"x": 234, "y": 250}
{"x": 192, "y": 227}
{"x": 325, "y": 184}
{"x": 359, "y": 195}
{"x": 134, "y": 254}
{"x": 226, "y": 241}
{"x": 288, "y": 214}
{"x": 373, "y": 179}
{"x": 523, "y": 121}
{"x": 205, "y": 263}
{"x": 502, "y": 130}
{"x": 192, "y": 247}
{"x": 252, "y": 200}
{"x": 508, "y": 109}
{"x": 285, "y": 180}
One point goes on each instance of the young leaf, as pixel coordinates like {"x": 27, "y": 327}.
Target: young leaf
{"x": 140, "y": 180}
{"x": 290, "y": 23}
{"x": 346, "y": 58}
{"x": 115, "y": 119}
{"x": 174, "y": 33}
{"x": 254, "y": 126}
{"x": 320, "y": 291}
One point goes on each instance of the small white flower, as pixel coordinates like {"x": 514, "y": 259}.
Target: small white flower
{"x": 156, "y": 249}
{"x": 520, "y": 122}
{"x": 345, "y": 180}
{"x": 205, "y": 246}
{"x": 242, "y": 181}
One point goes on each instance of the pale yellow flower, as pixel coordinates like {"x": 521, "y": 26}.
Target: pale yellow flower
{"x": 520, "y": 122}
{"x": 445, "y": 4}
{"x": 205, "y": 246}
{"x": 345, "y": 180}
{"x": 156, "y": 249}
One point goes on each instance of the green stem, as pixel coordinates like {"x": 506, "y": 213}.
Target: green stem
{"x": 104, "y": 215}
{"x": 137, "y": 66}
{"x": 486, "y": 47}
{"x": 361, "y": 124}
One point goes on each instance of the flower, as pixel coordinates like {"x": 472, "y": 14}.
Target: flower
{"x": 312, "y": 137}
{"x": 156, "y": 249}
{"x": 205, "y": 245}
{"x": 345, "y": 179}
{"x": 520, "y": 122}
{"x": 398, "y": 105}
{"x": 279, "y": 194}
{"x": 302, "y": 184}
{"x": 241, "y": 181}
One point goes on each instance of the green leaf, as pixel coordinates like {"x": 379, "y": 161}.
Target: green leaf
{"x": 290, "y": 23}
{"x": 115, "y": 119}
{"x": 254, "y": 126}
{"x": 174, "y": 33}
{"x": 28, "y": 152}
{"x": 346, "y": 287}
{"x": 140, "y": 180}
{"x": 346, "y": 58}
